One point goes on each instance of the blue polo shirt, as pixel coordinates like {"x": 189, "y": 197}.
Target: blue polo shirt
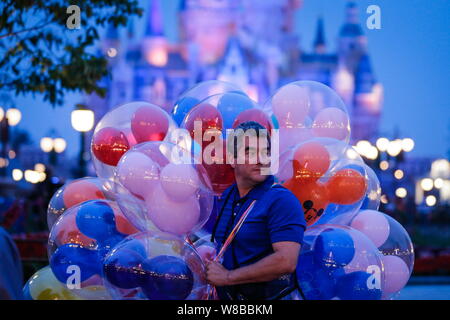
{"x": 276, "y": 216}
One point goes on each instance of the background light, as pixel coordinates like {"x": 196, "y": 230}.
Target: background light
{"x": 59, "y": 145}
{"x": 407, "y": 144}
{"x": 394, "y": 148}
{"x": 14, "y": 116}
{"x": 401, "y": 192}
{"x": 398, "y": 174}
{"x": 384, "y": 199}
{"x": 17, "y": 174}
{"x": 438, "y": 183}
{"x": 82, "y": 120}
{"x": 430, "y": 200}
{"x": 112, "y": 52}
{"x": 427, "y": 184}
{"x": 2, "y": 113}
{"x": 382, "y": 144}
{"x": 46, "y": 144}
{"x": 384, "y": 165}
{"x": 39, "y": 167}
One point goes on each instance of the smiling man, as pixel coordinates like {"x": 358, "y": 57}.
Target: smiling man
{"x": 261, "y": 259}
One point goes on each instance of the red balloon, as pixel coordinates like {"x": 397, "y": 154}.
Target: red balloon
{"x": 256, "y": 115}
{"x": 346, "y": 186}
{"x": 313, "y": 196}
{"x": 80, "y": 191}
{"x": 109, "y": 144}
{"x": 220, "y": 175}
{"x": 311, "y": 160}
{"x": 149, "y": 123}
{"x": 209, "y": 116}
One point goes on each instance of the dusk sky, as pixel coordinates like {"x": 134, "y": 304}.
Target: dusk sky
{"x": 410, "y": 56}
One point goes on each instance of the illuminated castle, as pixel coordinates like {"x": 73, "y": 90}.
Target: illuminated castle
{"x": 247, "y": 42}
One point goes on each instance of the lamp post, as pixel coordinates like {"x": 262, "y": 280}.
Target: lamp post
{"x": 9, "y": 118}
{"x": 82, "y": 119}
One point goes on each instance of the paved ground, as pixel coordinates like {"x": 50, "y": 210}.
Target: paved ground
{"x": 425, "y": 292}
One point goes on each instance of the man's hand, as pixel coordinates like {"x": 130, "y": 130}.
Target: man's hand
{"x": 216, "y": 274}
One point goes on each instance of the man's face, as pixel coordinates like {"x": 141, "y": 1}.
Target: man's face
{"x": 251, "y": 161}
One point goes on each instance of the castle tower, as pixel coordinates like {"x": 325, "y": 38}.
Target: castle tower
{"x": 319, "y": 42}
{"x": 207, "y": 24}
{"x": 352, "y": 43}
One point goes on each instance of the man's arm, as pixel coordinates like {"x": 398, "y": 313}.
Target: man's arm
{"x": 282, "y": 261}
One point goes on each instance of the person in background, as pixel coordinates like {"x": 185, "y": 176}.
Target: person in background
{"x": 11, "y": 280}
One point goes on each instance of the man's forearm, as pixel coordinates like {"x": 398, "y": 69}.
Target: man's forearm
{"x": 267, "y": 269}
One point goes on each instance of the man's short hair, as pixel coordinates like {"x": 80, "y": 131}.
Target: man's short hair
{"x": 247, "y": 126}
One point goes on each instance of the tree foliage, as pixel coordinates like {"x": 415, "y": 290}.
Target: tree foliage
{"x": 40, "y": 54}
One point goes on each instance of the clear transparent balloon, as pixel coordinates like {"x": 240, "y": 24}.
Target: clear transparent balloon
{"x": 44, "y": 286}
{"x": 198, "y": 93}
{"x": 308, "y": 109}
{"x": 373, "y": 194}
{"x": 78, "y": 191}
{"x": 122, "y": 128}
{"x": 328, "y": 177}
{"x": 398, "y": 258}
{"x": 206, "y": 249}
{"x": 154, "y": 266}
{"x": 79, "y": 241}
{"x": 173, "y": 192}
{"x": 338, "y": 262}
{"x": 209, "y": 123}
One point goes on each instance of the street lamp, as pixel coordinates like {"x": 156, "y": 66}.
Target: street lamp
{"x": 82, "y": 120}
{"x": 9, "y": 118}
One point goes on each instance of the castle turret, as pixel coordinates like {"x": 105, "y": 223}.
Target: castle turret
{"x": 352, "y": 41}
{"x": 319, "y": 41}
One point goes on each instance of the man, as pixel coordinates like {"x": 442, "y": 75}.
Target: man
{"x": 10, "y": 268}
{"x": 261, "y": 259}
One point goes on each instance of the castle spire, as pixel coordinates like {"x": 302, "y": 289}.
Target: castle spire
{"x": 154, "y": 20}
{"x": 319, "y": 42}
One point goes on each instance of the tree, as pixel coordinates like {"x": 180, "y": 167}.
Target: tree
{"x": 39, "y": 53}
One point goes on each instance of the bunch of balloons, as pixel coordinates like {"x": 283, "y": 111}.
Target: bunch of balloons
{"x": 350, "y": 250}
{"x": 135, "y": 230}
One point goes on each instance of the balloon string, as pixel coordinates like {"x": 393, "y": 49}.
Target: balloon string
{"x": 211, "y": 290}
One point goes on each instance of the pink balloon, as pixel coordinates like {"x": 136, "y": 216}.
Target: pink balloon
{"x": 138, "y": 173}
{"x": 179, "y": 181}
{"x": 206, "y": 252}
{"x": 290, "y": 105}
{"x": 396, "y": 274}
{"x": 171, "y": 216}
{"x": 331, "y": 123}
{"x": 373, "y": 224}
{"x": 290, "y": 137}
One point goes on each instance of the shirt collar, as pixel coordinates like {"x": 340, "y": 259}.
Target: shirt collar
{"x": 258, "y": 191}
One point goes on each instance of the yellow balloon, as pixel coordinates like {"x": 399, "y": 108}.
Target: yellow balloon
{"x": 43, "y": 285}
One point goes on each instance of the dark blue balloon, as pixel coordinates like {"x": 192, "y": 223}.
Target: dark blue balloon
{"x": 95, "y": 219}
{"x": 333, "y": 248}
{"x": 354, "y": 286}
{"x": 135, "y": 245}
{"x": 316, "y": 283}
{"x": 123, "y": 269}
{"x": 72, "y": 254}
{"x": 182, "y": 107}
{"x": 231, "y": 104}
{"x": 167, "y": 278}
